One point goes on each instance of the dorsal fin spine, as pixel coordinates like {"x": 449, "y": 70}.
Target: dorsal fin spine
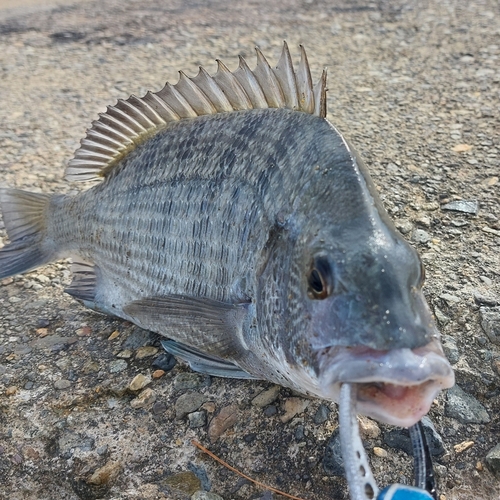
{"x": 130, "y": 122}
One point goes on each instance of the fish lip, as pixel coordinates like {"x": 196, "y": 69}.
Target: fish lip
{"x": 396, "y": 387}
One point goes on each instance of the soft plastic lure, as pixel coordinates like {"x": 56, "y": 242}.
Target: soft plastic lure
{"x": 362, "y": 484}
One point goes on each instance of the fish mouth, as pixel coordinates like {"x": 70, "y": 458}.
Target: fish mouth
{"x": 395, "y": 387}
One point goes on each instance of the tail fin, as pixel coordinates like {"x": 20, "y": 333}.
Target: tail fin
{"x": 25, "y": 217}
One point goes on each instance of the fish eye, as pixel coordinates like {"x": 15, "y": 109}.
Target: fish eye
{"x": 319, "y": 279}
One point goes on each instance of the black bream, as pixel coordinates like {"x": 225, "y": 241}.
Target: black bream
{"x": 235, "y": 220}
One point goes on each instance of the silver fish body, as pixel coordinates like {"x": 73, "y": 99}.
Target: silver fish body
{"x": 255, "y": 241}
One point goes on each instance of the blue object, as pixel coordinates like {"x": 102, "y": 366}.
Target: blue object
{"x": 403, "y": 492}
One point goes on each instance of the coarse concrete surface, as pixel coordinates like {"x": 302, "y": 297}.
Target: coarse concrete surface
{"x": 414, "y": 85}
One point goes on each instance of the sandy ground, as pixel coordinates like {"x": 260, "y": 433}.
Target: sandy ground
{"x": 413, "y": 85}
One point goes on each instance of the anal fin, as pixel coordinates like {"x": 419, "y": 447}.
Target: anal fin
{"x": 203, "y": 363}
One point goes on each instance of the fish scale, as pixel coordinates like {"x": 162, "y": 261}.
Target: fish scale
{"x": 233, "y": 219}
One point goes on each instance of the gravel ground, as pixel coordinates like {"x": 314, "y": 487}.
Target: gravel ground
{"x": 413, "y": 85}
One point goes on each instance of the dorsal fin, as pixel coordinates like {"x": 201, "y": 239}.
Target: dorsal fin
{"x": 130, "y": 122}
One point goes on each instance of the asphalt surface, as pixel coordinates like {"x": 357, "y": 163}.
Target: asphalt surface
{"x": 414, "y": 86}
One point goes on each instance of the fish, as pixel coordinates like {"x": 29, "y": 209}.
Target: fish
{"x": 232, "y": 218}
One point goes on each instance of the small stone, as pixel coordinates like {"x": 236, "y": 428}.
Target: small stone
{"x": 114, "y": 335}
{"x": 450, "y": 348}
{"x": 464, "y": 206}
{"x": 479, "y": 466}
{"x": 139, "y": 382}
{"x": 464, "y": 407}
{"x": 292, "y": 407}
{"x": 117, "y": 366}
{"x": 485, "y": 300}
{"x": 158, "y": 408}
{"x": 321, "y": 415}
{"x": 145, "y": 352}
{"x": 187, "y": 403}
{"x": 400, "y": 440}
{"x": 299, "y": 432}
{"x": 380, "y": 452}
{"x": 106, "y": 474}
{"x": 490, "y": 321}
{"x": 205, "y": 495}
{"x": 197, "y": 419}
{"x": 404, "y": 226}
{"x": 102, "y": 450}
{"x": 85, "y": 331}
{"x": 434, "y": 439}
{"x": 333, "y": 463}
{"x": 270, "y": 411}
{"x": 440, "y": 316}
{"x": 464, "y": 445}
{"x": 495, "y": 365}
{"x": 62, "y": 384}
{"x": 164, "y": 362}
{"x": 186, "y": 482}
{"x": 449, "y": 298}
{"x": 266, "y": 397}
{"x": 461, "y": 148}
{"x": 493, "y": 459}
{"x": 368, "y": 429}
{"x": 10, "y": 391}
{"x": 42, "y": 332}
{"x": 185, "y": 381}
{"x": 126, "y": 354}
{"x": 145, "y": 398}
{"x": 224, "y": 420}
{"x": 421, "y": 236}
{"x": 158, "y": 374}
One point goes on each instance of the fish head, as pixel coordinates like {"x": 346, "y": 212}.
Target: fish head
{"x": 359, "y": 313}
{"x": 370, "y": 325}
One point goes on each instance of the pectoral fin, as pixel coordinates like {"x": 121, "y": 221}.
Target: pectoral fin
{"x": 209, "y": 326}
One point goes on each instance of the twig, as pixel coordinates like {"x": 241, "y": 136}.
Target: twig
{"x": 258, "y": 483}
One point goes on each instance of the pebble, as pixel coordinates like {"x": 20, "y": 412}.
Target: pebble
{"x": 10, "y": 391}
{"x": 145, "y": 352}
{"x": 399, "y": 439}
{"x": 292, "y": 407}
{"x": 299, "y": 432}
{"x": 139, "y": 338}
{"x": 164, "y": 362}
{"x": 493, "y": 459}
{"x": 205, "y": 495}
{"x": 421, "y": 236}
{"x": 197, "y": 419}
{"x": 270, "y": 411}
{"x": 62, "y": 384}
{"x": 266, "y": 397}
{"x": 158, "y": 374}
{"x": 464, "y": 206}
{"x": 186, "y": 482}
{"x": 106, "y": 474}
{"x": 333, "y": 463}
{"x": 464, "y": 445}
{"x": 139, "y": 382}
{"x": 440, "y": 316}
{"x": 434, "y": 439}
{"x": 368, "y": 428}
{"x": 321, "y": 414}
{"x": 490, "y": 322}
{"x": 125, "y": 354}
{"x": 159, "y": 407}
{"x": 145, "y": 398}
{"x": 450, "y": 348}
{"x": 464, "y": 407}
{"x": 84, "y": 331}
{"x": 485, "y": 300}
{"x": 185, "y": 381}
{"x": 380, "y": 452}
{"x": 201, "y": 473}
{"x": 187, "y": 403}
{"x": 114, "y": 335}
{"x": 117, "y": 366}
{"x": 449, "y": 298}
{"x": 224, "y": 420}
{"x": 404, "y": 226}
